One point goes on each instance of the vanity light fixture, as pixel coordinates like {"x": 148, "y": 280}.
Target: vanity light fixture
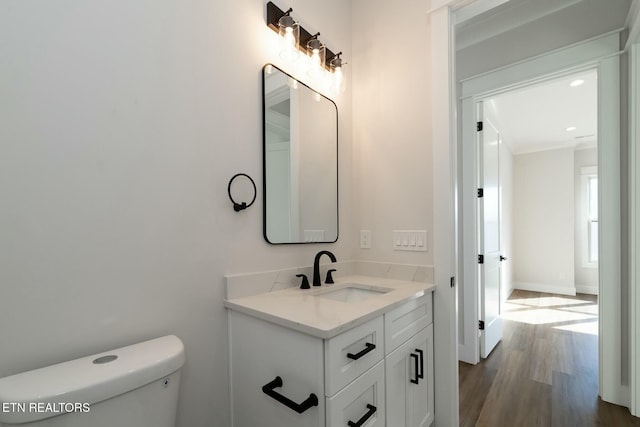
{"x": 317, "y": 51}
{"x": 289, "y": 29}
{"x": 298, "y": 39}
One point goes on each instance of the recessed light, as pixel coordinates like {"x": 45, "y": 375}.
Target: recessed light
{"x": 571, "y": 128}
{"x": 576, "y": 83}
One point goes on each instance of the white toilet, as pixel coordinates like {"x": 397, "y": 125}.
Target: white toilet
{"x": 134, "y": 386}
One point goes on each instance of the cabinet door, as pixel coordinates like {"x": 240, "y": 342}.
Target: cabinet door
{"x": 261, "y": 353}
{"x": 409, "y": 382}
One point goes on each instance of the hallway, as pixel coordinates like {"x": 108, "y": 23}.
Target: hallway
{"x": 544, "y": 372}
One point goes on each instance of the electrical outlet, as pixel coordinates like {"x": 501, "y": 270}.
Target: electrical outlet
{"x": 365, "y": 239}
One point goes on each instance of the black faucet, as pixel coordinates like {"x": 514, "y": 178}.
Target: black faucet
{"x": 316, "y": 266}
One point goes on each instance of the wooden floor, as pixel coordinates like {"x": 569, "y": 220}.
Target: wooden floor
{"x": 545, "y": 370}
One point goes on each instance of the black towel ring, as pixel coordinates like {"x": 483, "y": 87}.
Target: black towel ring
{"x": 242, "y": 206}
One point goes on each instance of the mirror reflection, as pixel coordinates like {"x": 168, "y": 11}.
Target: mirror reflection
{"x": 300, "y": 161}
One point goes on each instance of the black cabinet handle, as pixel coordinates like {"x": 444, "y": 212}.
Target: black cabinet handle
{"x": 421, "y": 371}
{"x": 371, "y": 410}
{"x": 503, "y": 258}
{"x": 369, "y": 347}
{"x": 268, "y": 389}
{"x": 415, "y": 365}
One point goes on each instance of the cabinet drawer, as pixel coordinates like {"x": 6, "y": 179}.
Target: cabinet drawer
{"x": 405, "y": 321}
{"x": 352, "y": 353}
{"x": 361, "y": 401}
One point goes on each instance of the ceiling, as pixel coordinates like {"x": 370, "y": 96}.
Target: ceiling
{"x": 536, "y": 117}
{"x": 598, "y": 15}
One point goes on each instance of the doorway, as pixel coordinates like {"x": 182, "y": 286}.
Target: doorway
{"x": 571, "y": 60}
{"x": 544, "y": 139}
{"x": 538, "y": 154}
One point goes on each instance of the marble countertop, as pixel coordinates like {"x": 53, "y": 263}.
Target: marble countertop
{"x": 304, "y": 311}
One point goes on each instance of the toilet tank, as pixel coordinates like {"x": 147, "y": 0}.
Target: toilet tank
{"x": 133, "y": 386}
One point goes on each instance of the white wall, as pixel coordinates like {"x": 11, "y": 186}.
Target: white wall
{"x": 391, "y": 124}
{"x": 122, "y": 123}
{"x": 543, "y": 221}
{"x": 586, "y": 278}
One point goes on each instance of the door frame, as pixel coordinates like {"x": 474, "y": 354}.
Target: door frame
{"x": 600, "y": 53}
{"x": 634, "y": 229}
{"x": 633, "y": 48}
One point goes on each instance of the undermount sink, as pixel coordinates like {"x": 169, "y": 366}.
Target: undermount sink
{"x": 353, "y": 293}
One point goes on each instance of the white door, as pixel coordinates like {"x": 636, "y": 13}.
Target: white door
{"x": 489, "y": 234}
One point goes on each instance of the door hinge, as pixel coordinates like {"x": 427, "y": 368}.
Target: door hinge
{"x": 480, "y": 259}
{"x": 480, "y": 192}
{"x": 453, "y": 282}
{"x": 481, "y": 325}
{"x": 479, "y": 126}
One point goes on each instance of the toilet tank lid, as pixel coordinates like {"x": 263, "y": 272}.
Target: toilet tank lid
{"x": 90, "y": 379}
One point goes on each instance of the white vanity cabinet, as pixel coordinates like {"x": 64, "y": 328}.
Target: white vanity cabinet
{"x": 362, "y": 377}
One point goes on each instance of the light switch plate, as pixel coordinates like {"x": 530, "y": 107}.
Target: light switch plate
{"x": 365, "y": 239}
{"x": 410, "y": 240}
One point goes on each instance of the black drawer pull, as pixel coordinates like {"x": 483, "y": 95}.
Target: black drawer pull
{"x": 268, "y": 389}
{"x": 371, "y": 410}
{"x": 421, "y": 371}
{"x": 415, "y": 365}
{"x": 369, "y": 347}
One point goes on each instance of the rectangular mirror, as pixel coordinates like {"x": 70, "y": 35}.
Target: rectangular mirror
{"x": 300, "y": 161}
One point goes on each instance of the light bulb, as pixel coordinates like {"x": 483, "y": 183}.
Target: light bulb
{"x": 339, "y": 83}
{"x": 289, "y": 40}
{"x": 315, "y": 58}
{"x": 289, "y": 51}
{"x": 317, "y": 52}
{"x": 338, "y": 80}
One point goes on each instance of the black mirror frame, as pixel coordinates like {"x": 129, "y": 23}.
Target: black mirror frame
{"x": 264, "y": 162}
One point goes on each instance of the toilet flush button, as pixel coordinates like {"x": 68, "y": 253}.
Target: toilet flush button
{"x": 105, "y": 359}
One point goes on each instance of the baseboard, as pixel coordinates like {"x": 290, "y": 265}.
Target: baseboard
{"x": 549, "y": 289}
{"x": 589, "y": 290}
